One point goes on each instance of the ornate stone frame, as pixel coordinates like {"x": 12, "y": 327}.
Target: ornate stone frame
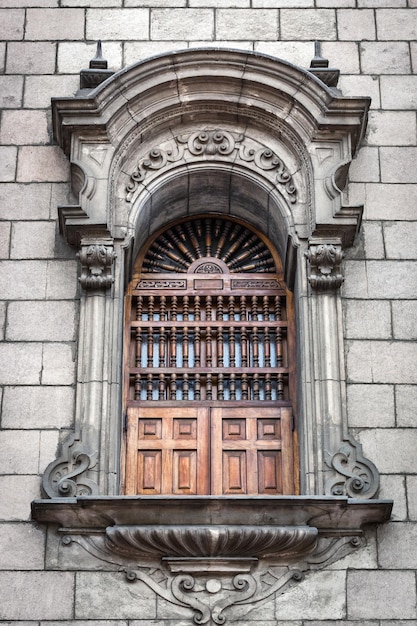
{"x": 272, "y": 145}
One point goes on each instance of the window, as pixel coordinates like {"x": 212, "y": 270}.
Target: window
{"x": 210, "y": 365}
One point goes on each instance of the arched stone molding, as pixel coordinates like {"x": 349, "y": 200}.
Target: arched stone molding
{"x": 233, "y": 133}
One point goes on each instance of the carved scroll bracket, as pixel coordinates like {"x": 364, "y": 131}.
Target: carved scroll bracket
{"x": 96, "y": 259}
{"x": 325, "y": 266}
{"x": 356, "y": 476}
{"x": 66, "y": 476}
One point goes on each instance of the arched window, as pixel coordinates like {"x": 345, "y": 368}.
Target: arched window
{"x": 210, "y": 365}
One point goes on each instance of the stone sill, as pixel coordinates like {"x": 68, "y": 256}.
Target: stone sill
{"x": 210, "y": 533}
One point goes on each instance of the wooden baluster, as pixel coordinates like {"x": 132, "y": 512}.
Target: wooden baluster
{"x": 244, "y": 346}
{"x": 220, "y": 339}
{"x": 185, "y": 347}
{"x": 233, "y": 386}
{"x": 185, "y": 387}
{"x": 265, "y": 308}
{"x": 209, "y": 308}
{"x": 245, "y": 387}
{"x": 197, "y": 387}
{"x": 161, "y": 387}
{"x": 220, "y": 387}
{"x": 150, "y": 347}
{"x": 209, "y": 353}
{"x": 197, "y": 308}
{"x": 209, "y": 387}
{"x": 185, "y": 308}
{"x": 162, "y": 308}
{"x": 280, "y": 387}
{"x": 256, "y": 387}
{"x": 162, "y": 346}
{"x": 232, "y": 338}
{"x": 173, "y": 387}
{"x": 151, "y": 307}
{"x": 197, "y": 347}
{"x": 267, "y": 347}
{"x": 208, "y": 236}
{"x": 268, "y": 387}
{"x": 149, "y": 386}
{"x": 138, "y": 386}
{"x": 174, "y": 308}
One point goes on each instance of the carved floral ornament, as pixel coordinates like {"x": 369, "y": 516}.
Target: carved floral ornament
{"x": 214, "y": 145}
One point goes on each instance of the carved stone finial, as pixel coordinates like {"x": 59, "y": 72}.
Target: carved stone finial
{"x": 96, "y": 265}
{"x": 65, "y": 477}
{"x": 97, "y": 71}
{"x": 325, "y": 271}
{"x": 319, "y": 66}
{"x": 357, "y": 477}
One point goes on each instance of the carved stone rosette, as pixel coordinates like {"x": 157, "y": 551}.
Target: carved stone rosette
{"x": 96, "y": 265}
{"x": 325, "y": 271}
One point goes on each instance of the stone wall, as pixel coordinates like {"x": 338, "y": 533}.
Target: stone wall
{"x": 44, "y": 45}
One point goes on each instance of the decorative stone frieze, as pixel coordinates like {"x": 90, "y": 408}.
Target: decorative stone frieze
{"x": 214, "y": 144}
{"x": 325, "y": 272}
{"x": 96, "y": 264}
{"x": 66, "y": 476}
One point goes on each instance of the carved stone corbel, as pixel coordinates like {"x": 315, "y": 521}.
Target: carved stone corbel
{"x": 325, "y": 271}
{"x": 356, "y": 476}
{"x": 96, "y": 259}
{"x": 65, "y": 477}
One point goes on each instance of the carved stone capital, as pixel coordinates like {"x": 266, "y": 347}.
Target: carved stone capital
{"x": 325, "y": 271}
{"x": 356, "y": 476}
{"x": 96, "y": 259}
{"x": 65, "y": 476}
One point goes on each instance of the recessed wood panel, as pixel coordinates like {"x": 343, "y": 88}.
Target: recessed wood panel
{"x": 234, "y": 472}
{"x": 150, "y": 471}
{"x": 185, "y": 472}
{"x": 269, "y": 472}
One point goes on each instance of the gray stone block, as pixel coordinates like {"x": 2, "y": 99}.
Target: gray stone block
{"x": 259, "y": 24}
{"x": 406, "y": 400}
{"x": 12, "y": 23}
{"x": 22, "y": 280}
{"x": 36, "y": 595}
{"x": 5, "y": 228}
{"x": 411, "y": 484}
{"x": 365, "y": 167}
{"x": 397, "y": 546}
{"x": 31, "y": 57}
{"x": 20, "y": 364}
{"x": 117, "y": 24}
{"x": 121, "y": 600}
{"x": 379, "y": 595}
{"x": 390, "y": 202}
{"x": 367, "y": 319}
{"x": 401, "y": 240}
{"x": 389, "y": 128}
{"x": 393, "y": 487}
{"x": 381, "y": 362}
{"x": 396, "y": 24}
{"x": 346, "y": 53}
{"x": 40, "y": 89}
{"x": 16, "y": 494}
{"x": 374, "y": 241}
{"x": 33, "y": 240}
{"x": 392, "y": 450}
{"x": 11, "y": 90}
{"x": 14, "y": 205}
{"x": 24, "y": 127}
{"x": 307, "y": 24}
{"x": 392, "y": 279}
{"x": 399, "y": 92}
{"x": 41, "y": 321}
{"x": 356, "y": 25}
{"x": 58, "y": 364}
{"x": 37, "y": 407}
{"x": 385, "y": 58}
{"x": 297, "y": 52}
{"x": 398, "y": 165}
{"x": 22, "y": 546}
{"x": 42, "y": 164}
{"x": 371, "y": 406}
{"x": 19, "y": 451}
{"x": 8, "y": 156}
{"x": 52, "y": 24}
{"x": 188, "y": 24}
{"x": 320, "y": 596}
{"x": 61, "y": 280}
{"x": 361, "y": 86}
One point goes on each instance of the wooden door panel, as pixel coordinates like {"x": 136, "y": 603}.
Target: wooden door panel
{"x": 252, "y": 451}
{"x": 167, "y": 451}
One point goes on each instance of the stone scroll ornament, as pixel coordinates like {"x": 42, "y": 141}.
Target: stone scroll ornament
{"x": 212, "y": 145}
{"x": 65, "y": 477}
{"x": 356, "y": 476}
{"x": 96, "y": 266}
{"x": 325, "y": 271}
{"x": 208, "y": 591}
